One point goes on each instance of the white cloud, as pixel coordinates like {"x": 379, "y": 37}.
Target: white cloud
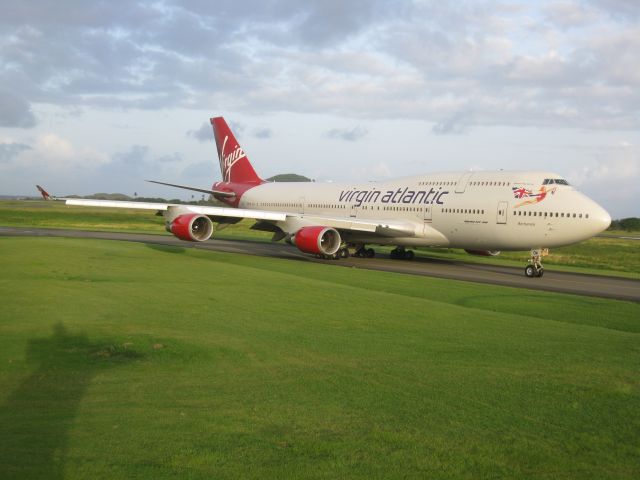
{"x": 381, "y": 170}
{"x": 348, "y": 134}
{"x": 357, "y": 59}
{"x": 613, "y": 178}
{"x": 202, "y": 134}
{"x": 15, "y": 111}
{"x": 9, "y": 150}
{"x": 52, "y": 152}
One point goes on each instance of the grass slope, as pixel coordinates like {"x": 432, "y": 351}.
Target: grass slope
{"x": 123, "y": 360}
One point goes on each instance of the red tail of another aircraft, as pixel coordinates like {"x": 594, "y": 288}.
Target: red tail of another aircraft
{"x": 234, "y": 164}
{"x": 43, "y": 192}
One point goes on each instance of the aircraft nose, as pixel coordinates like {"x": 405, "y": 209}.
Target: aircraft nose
{"x": 600, "y": 219}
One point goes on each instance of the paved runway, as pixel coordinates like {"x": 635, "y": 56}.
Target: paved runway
{"x": 591, "y": 285}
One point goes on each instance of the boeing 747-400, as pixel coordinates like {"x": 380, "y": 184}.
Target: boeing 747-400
{"x": 481, "y": 212}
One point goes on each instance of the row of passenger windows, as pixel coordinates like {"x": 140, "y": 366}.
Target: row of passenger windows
{"x": 325, "y": 205}
{"x": 490, "y": 184}
{"x": 521, "y": 213}
{"x": 438, "y": 184}
{"x": 472, "y": 211}
{"x": 402, "y": 209}
{"x": 480, "y": 183}
{"x": 275, "y": 204}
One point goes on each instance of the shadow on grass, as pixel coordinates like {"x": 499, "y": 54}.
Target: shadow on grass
{"x": 37, "y": 417}
{"x": 164, "y": 248}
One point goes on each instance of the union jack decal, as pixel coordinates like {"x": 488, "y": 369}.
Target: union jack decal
{"x": 521, "y": 192}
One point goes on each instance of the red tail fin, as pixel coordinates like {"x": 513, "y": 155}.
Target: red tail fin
{"x": 234, "y": 164}
{"x": 43, "y": 192}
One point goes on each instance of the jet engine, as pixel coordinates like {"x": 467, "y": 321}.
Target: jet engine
{"x": 484, "y": 253}
{"x": 317, "y": 240}
{"x": 191, "y": 227}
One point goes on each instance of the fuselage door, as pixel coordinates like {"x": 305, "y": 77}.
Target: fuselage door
{"x": 301, "y": 205}
{"x": 353, "y": 210}
{"x": 427, "y": 213}
{"x": 462, "y": 182}
{"x": 502, "y": 212}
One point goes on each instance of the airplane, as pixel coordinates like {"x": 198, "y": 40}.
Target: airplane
{"x": 482, "y": 212}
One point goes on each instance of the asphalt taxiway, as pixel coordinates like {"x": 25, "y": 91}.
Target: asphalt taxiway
{"x": 553, "y": 281}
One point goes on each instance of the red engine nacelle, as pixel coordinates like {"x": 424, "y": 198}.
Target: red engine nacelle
{"x": 484, "y": 253}
{"x": 192, "y": 227}
{"x": 317, "y": 240}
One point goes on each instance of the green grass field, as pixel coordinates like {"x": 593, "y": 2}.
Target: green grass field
{"x": 124, "y": 360}
{"x": 607, "y": 256}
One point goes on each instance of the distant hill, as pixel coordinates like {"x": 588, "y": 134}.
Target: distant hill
{"x": 288, "y": 177}
{"x": 629, "y": 224}
{"x": 109, "y": 196}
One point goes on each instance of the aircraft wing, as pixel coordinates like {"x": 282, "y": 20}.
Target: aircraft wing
{"x": 383, "y": 227}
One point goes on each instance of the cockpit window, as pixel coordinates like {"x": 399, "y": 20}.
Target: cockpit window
{"x": 555, "y": 181}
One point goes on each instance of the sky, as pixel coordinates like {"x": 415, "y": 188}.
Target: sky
{"x": 99, "y": 96}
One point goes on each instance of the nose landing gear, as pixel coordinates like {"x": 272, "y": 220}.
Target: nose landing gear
{"x": 535, "y": 268}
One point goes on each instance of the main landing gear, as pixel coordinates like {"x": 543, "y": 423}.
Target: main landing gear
{"x": 363, "y": 252}
{"x": 341, "y": 253}
{"x": 360, "y": 252}
{"x": 535, "y": 268}
{"x": 402, "y": 254}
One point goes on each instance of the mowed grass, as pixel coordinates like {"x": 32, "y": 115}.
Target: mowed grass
{"x": 122, "y": 360}
{"x": 54, "y": 214}
{"x": 607, "y": 256}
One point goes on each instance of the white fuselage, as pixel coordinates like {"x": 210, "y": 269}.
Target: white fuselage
{"x": 500, "y": 210}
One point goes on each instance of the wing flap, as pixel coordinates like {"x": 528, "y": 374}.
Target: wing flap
{"x": 202, "y": 209}
{"x": 385, "y": 228}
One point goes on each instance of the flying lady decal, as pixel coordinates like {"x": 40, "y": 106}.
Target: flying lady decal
{"x": 521, "y": 192}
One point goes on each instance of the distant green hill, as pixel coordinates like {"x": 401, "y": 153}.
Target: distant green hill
{"x": 629, "y": 224}
{"x": 109, "y": 196}
{"x": 288, "y": 177}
